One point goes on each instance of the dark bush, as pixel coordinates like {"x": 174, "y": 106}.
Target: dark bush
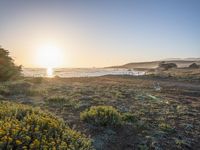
{"x": 194, "y": 66}
{"x": 167, "y": 66}
{"x": 8, "y": 70}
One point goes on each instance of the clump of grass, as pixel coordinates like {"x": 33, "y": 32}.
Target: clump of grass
{"x": 35, "y": 91}
{"x": 15, "y": 88}
{"x": 18, "y": 87}
{"x": 21, "y": 87}
{"x": 56, "y": 101}
{"x": 102, "y": 116}
{"x": 36, "y": 80}
{"x": 128, "y": 117}
{"x": 25, "y": 127}
{"x": 166, "y": 127}
{"x": 182, "y": 143}
{"x": 4, "y": 90}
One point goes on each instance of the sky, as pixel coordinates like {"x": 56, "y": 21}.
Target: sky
{"x": 93, "y": 33}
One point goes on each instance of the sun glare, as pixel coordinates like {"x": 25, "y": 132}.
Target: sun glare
{"x": 49, "y": 57}
{"x": 49, "y": 72}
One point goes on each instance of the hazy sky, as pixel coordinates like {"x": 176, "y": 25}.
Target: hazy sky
{"x": 100, "y": 33}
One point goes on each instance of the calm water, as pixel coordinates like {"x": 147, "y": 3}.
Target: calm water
{"x": 86, "y": 72}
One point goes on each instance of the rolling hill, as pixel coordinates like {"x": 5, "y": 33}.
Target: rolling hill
{"x": 153, "y": 64}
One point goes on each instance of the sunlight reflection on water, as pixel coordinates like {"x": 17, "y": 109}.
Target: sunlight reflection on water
{"x": 50, "y": 72}
{"x": 78, "y": 72}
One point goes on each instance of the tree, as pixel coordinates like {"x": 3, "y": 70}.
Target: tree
{"x": 8, "y": 70}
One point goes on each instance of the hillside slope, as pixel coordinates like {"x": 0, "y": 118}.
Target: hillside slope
{"x": 154, "y": 64}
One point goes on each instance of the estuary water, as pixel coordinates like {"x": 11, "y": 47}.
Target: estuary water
{"x": 79, "y": 72}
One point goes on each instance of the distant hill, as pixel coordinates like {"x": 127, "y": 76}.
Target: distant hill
{"x": 153, "y": 64}
{"x": 183, "y": 59}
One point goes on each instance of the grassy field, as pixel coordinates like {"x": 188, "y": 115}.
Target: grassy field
{"x": 147, "y": 112}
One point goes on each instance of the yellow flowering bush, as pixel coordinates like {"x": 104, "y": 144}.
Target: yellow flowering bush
{"x": 102, "y": 116}
{"x": 24, "y": 127}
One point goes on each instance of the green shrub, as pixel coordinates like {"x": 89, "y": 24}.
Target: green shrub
{"x": 8, "y": 70}
{"x": 128, "y": 117}
{"x": 24, "y": 127}
{"x": 102, "y": 116}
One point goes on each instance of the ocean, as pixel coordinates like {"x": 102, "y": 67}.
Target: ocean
{"x": 79, "y": 72}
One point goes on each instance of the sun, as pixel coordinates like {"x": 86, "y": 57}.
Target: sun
{"x": 49, "y": 57}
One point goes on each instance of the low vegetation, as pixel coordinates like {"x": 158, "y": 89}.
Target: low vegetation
{"x": 106, "y": 116}
{"x": 56, "y": 101}
{"x": 36, "y": 80}
{"x": 24, "y": 127}
{"x": 116, "y": 112}
{"x": 102, "y": 116}
{"x": 129, "y": 118}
